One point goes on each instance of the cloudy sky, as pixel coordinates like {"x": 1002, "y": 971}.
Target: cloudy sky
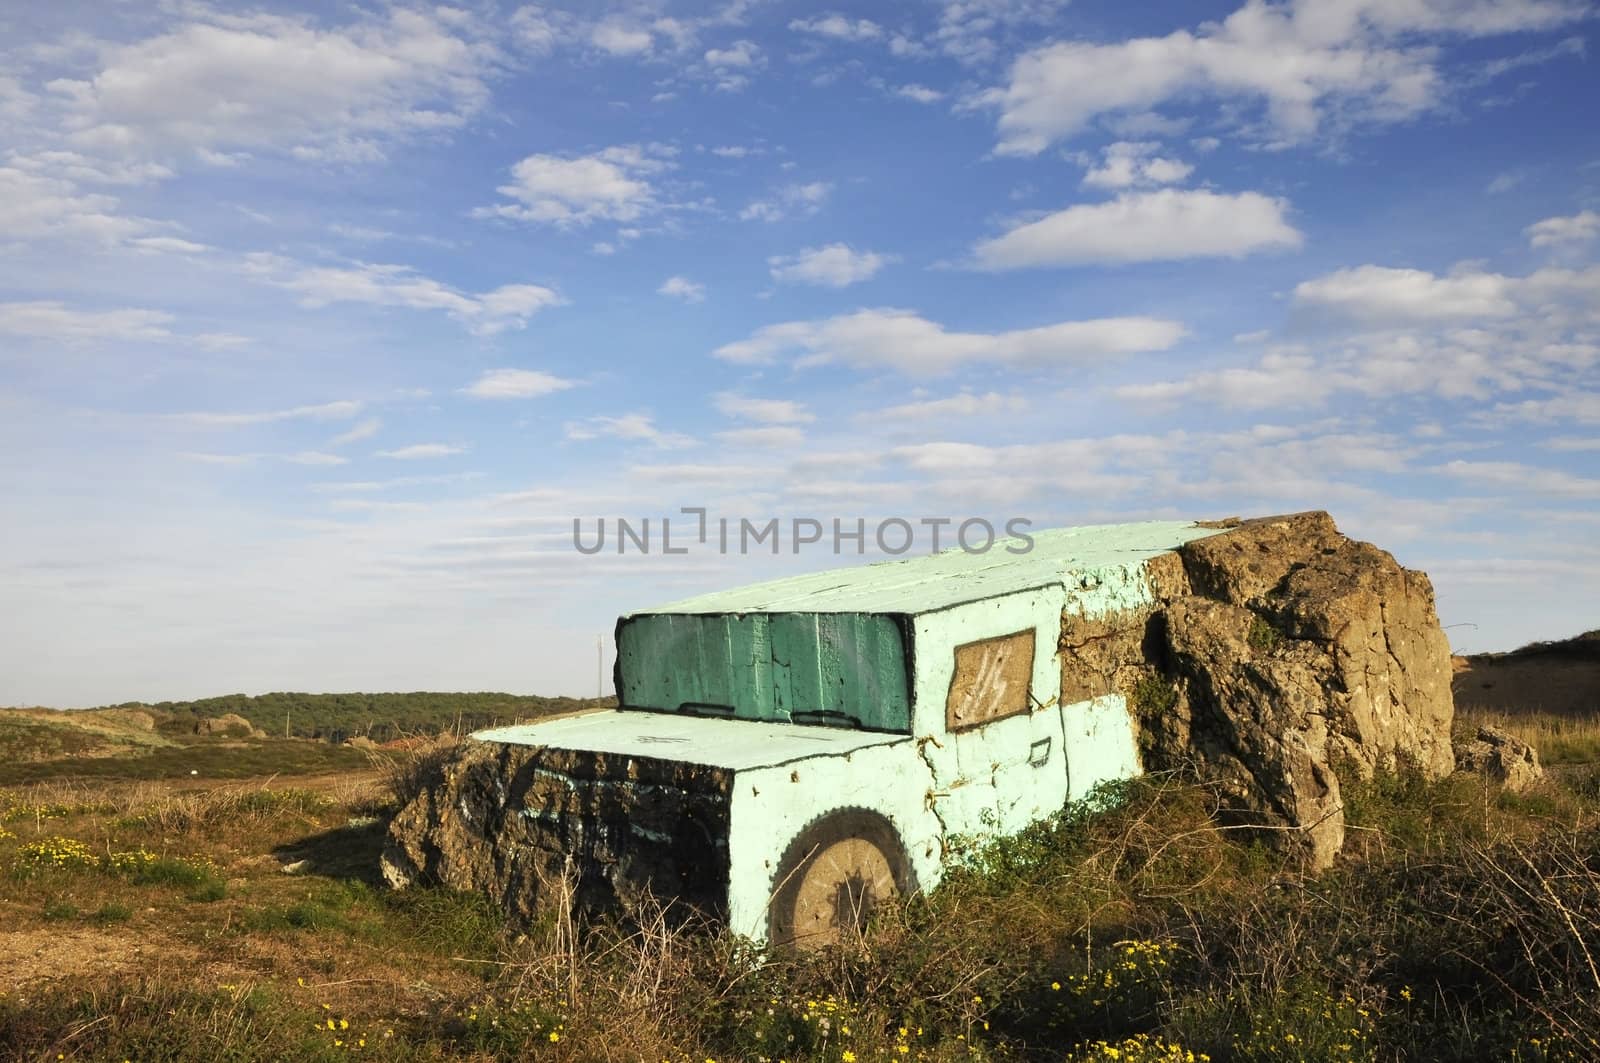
{"x": 319, "y": 325}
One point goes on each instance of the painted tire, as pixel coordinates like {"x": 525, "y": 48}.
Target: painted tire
{"x": 833, "y": 875}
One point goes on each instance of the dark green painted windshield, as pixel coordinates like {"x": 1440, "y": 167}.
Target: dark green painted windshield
{"x": 838, "y": 669}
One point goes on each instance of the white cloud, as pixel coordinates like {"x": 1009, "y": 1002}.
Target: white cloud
{"x": 902, "y": 340}
{"x": 1277, "y": 381}
{"x": 509, "y": 306}
{"x": 975, "y": 31}
{"x": 50, "y": 320}
{"x": 364, "y": 430}
{"x": 1127, "y": 163}
{"x": 775, "y": 437}
{"x": 803, "y": 199}
{"x": 1572, "y": 444}
{"x": 1384, "y": 333}
{"x": 1300, "y": 60}
{"x": 1505, "y": 182}
{"x": 608, "y": 185}
{"x": 315, "y": 457}
{"x": 741, "y": 54}
{"x": 966, "y": 404}
{"x": 683, "y": 288}
{"x": 422, "y": 451}
{"x": 1520, "y": 478}
{"x": 1383, "y": 294}
{"x": 701, "y": 474}
{"x": 1143, "y": 227}
{"x": 83, "y": 169}
{"x": 516, "y": 384}
{"x": 640, "y": 427}
{"x": 218, "y": 82}
{"x": 1582, "y": 407}
{"x": 327, "y": 411}
{"x": 1573, "y": 229}
{"x": 34, "y": 205}
{"x": 839, "y": 27}
{"x": 618, "y": 38}
{"x": 171, "y": 245}
{"x": 763, "y": 411}
{"x": 833, "y": 266}
{"x": 918, "y": 93}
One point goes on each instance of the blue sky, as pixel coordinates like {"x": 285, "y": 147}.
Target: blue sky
{"x": 319, "y": 325}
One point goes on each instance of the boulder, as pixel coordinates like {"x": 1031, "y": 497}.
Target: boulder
{"x": 1500, "y": 757}
{"x": 230, "y": 724}
{"x": 1293, "y": 656}
{"x": 526, "y": 824}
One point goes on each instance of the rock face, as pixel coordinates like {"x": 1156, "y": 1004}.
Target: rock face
{"x": 1293, "y": 656}
{"x": 1499, "y": 757}
{"x": 523, "y": 824}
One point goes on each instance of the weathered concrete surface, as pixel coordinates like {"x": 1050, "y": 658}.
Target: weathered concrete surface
{"x": 1293, "y": 655}
{"x": 516, "y": 822}
{"x": 1500, "y": 757}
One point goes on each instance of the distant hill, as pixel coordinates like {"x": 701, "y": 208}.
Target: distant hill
{"x": 380, "y": 717}
{"x": 208, "y": 738}
{"x": 1561, "y": 676}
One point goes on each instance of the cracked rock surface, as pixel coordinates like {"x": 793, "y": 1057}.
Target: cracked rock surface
{"x": 1296, "y": 657}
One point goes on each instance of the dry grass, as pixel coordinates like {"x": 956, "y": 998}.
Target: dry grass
{"x": 1464, "y": 925}
{"x": 1560, "y": 738}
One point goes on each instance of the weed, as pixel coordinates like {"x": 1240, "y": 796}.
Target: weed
{"x": 1154, "y": 696}
{"x": 60, "y": 910}
{"x": 113, "y": 912}
{"x": 1263, "y": 637}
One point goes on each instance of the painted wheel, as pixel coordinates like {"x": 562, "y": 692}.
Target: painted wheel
{"x": 832, "y": 877}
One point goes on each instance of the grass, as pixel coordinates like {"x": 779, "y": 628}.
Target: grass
{"x": 1462, "y": 924}
{"x": 206, "y": 757}
{"x": 1560, "y": 738}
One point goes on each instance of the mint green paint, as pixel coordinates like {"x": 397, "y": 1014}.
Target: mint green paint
{"x": 773, "y": 804}
{"x": 768, "y": 666}
{"x": 917, "y": 585}
{"x": 1100, "y": 742}
{"x": 737, "y": 745}
{"x": 835, "y": 642}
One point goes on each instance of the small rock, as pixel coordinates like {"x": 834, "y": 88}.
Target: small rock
{"x": 296, "y": 868}
{"x": 1500, "y": 756}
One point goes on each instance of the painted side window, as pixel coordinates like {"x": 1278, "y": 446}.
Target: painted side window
{"x": 992, "y": 681}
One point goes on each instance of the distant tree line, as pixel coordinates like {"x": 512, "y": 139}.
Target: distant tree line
{"x": 380, "y": 717}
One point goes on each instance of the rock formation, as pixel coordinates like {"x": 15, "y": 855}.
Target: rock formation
{"x": 524, "y": 824}
{"x": 1500, "y": 757}
{"x": 1283, "y": 656}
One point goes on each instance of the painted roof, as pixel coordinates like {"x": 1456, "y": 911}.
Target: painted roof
{"x": 951, "y": 577}
{"x": 719, "y": 743}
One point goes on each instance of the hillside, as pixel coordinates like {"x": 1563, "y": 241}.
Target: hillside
{"x": 1561, "y": 677}
{"x": 380, "y": 717}
{"x": 238, "y": 736}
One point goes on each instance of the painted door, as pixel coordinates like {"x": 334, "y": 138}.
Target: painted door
{"x": 1008, "y": 744}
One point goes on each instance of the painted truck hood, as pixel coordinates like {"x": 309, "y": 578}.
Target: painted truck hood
{"x": 733, "y": 744}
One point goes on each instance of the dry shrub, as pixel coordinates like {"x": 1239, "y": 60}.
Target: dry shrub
{"x": 232, "y": 808}
{"x": 407, "y": 773}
